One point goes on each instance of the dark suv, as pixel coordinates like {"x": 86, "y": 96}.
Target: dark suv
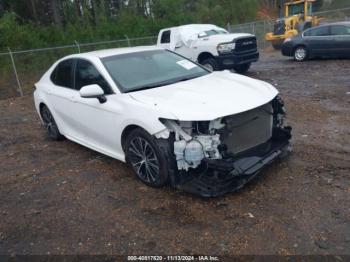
{"x": 328, "y": 40}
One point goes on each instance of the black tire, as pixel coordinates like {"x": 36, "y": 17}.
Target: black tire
{"x": 300, "y": 53}
{"x": 242, "y": 69}
{"x": 50, "y": 124}
{"x": 147, "y": 158}
{"x": 210, "y": 64}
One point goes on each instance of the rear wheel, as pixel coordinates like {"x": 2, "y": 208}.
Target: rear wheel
{"x": 50, "y": 124}
{"x": 146, "y": 158}
{"x": 300, "y": 53}
{"x": 210, "y": 64}
{"x": 241, "y": 69}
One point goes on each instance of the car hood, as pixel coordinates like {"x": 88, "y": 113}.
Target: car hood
{"x": 228, "y": 37}
{"x": 208, "y": 97}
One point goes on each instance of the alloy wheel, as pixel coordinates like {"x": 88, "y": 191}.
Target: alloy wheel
{"x": 144, "y": 160}
{"x": 49, "y": 122}
{"x": 300, "y": 54}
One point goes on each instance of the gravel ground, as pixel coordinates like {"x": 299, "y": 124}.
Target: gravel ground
{"x": 61, "y": 198}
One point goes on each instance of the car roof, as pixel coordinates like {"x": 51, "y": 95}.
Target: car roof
{"x": 114, "y": 51}
{"x": 336, "y": 23}
{"x": 199, "y": 27}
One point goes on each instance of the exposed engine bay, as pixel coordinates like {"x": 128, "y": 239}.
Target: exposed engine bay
{"x": 233, "y": 146}
{"x": 226, "y": 136}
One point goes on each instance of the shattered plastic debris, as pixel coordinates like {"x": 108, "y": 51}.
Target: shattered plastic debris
{"x": 250, "y": 215}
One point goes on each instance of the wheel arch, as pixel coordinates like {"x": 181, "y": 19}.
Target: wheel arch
{"x": 300, "y": 45}
{"x": 203, "y": 56}
{"x": 41, "y": 106}
{"x": 126, "y": 131}
{"x": 151, "y": 125}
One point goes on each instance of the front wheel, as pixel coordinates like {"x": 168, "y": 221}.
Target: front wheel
{"x": 210, "y": 64}
{"x": 241, "y": 69}
{"x": 300, "y": 54}
{"x": 146, "y": 158}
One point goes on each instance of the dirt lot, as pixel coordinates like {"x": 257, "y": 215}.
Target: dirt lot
{"x": 61, "y": 198}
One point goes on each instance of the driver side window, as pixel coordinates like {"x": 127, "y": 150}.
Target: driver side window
{"x": 87, "y": 74}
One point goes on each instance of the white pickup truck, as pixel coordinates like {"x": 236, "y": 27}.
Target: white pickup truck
{"x": 211, "y": 46}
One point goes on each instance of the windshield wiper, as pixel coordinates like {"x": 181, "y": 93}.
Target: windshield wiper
{"x": 165, "y": 83}
{"x": 186, "y": 78}
{"x": 144, "y": 87}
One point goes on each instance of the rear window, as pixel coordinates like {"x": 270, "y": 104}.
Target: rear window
{"x": 62, "y": 75}
{"x": 340, "y": 30}
{"x": 165, "y": 39}
{"x": 211, "y": 32}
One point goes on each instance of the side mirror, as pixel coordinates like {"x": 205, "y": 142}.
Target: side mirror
{"x": 93, "y": 91}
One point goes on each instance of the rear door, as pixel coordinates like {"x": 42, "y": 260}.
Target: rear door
{"x": 61, "y": 96}
{"x": 341, "y": 35}
{"x": 319, "y": 41}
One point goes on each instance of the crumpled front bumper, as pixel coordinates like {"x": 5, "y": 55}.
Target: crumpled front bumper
{"x": 219, "y": 177}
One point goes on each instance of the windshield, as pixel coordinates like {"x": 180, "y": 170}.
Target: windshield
{"x": 212, "y": 32}
{"x": 150, "y": 69}
{"x": 296, "y": 9}
{"x": 299, "y": 9}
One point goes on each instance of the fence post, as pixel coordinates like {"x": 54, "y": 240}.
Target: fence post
{"x": 128, "y": 40}
{"x": 77, "y": 44}
{"x": 264, "y": 33}
{"x": 15, "y": 71}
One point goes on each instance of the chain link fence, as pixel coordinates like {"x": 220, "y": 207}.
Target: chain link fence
{"x": 21, "y": 69}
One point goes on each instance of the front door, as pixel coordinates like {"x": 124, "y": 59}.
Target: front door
{"x": 341, "y": 36}
{"x": 319, "y": 41}
{"x": 96, "y": 123}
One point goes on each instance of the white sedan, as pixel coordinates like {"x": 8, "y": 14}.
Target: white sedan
{"x": 172, "y": 120}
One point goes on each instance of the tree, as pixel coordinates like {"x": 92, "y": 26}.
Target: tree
{"x": 1, "y": 7}
{"x": 34, "y": 11}
{"x": 56, "y": 12}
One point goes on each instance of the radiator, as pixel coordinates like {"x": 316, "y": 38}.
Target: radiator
{"x": 248, "y": 129}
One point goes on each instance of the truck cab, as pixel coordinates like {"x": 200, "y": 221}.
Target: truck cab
{"x": 211, "y": 46}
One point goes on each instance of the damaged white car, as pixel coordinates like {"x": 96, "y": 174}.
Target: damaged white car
{"x": 172, "y": 120}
